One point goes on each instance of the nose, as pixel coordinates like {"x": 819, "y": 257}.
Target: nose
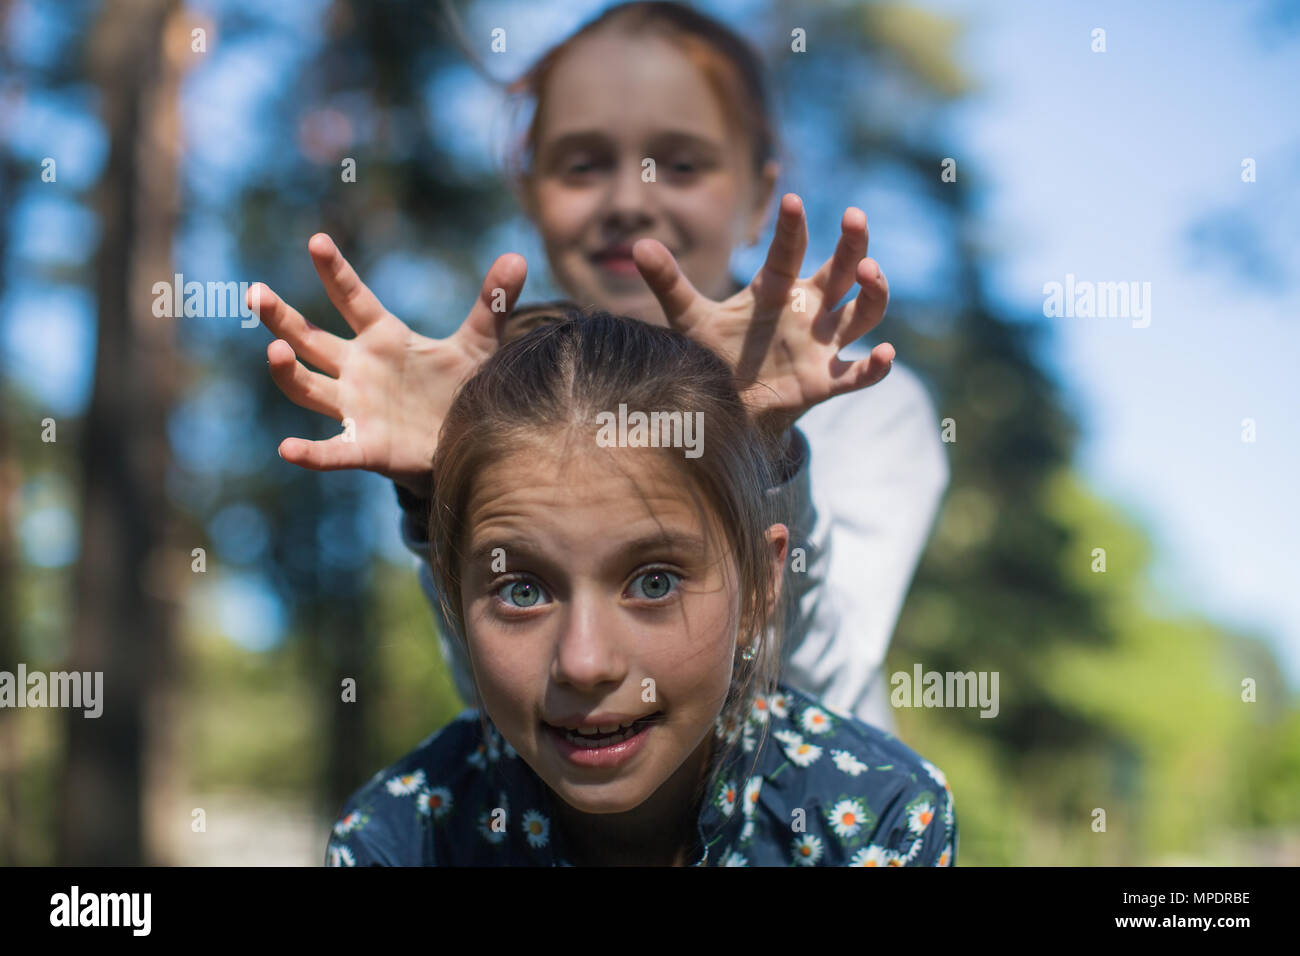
{"x": 631, "y": 203}
{"x": 588, "y": 652}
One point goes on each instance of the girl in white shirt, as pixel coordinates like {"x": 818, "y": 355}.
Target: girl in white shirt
{"x": 649, "y": 158}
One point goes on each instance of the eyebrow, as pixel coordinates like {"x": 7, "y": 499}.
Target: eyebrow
{"x": 588, "y": 139}
{"x": 677, "y": 541}
{"x": 673, "y": 138}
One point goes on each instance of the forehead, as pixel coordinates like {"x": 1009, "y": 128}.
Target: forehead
{"x": 629, "y": 86}
{"x": 586, "y": 498}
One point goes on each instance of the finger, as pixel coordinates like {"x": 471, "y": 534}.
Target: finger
{"x": 355, "y": 302}
{"x": 677, "y": 297}
{"x": 852, "y": 376}
{"x": 867, "y": 309}
{"x": 311, "y": 390}
{"x": 785, "y": 254}
{"x": 837, "y": 274}
{"x": 484, "y": 328}
{"x": 331, "y": 454}
{"x": 322, "y": 349}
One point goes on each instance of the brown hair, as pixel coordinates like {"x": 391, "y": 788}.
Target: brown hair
{"x": 729, "y": 64}
{"x": 558, "y": 378}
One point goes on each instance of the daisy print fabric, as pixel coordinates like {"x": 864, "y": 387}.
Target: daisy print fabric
{"x": 825, "y": 790}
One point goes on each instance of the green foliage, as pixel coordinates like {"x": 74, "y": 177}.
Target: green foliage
{"x": 1181, "y": 765}
{"x": 415, "y": 691}
{"x": 252, "y": 720}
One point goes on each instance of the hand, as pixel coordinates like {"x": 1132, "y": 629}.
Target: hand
{"x": 394, "y": 384}
{"x": 783, "y": 334}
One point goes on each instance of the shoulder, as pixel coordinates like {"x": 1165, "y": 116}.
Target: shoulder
{"x": 876, "y": 802}
{"x": 386, "y": 822}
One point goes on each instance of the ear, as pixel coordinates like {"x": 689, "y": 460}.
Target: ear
{"x": 764, "y": 191}
{"x": 778, "y": 541}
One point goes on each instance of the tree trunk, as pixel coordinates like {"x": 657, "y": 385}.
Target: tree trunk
{"x": 125, "y": 611}
{"x": 10, "y": 482}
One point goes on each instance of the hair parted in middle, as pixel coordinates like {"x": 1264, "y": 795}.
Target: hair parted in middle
{"x": 548, "y": 386}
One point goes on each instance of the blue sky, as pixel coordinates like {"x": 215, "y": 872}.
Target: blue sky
{"x": 1103, "y": 165}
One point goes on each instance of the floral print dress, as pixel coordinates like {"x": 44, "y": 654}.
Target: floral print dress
{"x": 826, "y": 790}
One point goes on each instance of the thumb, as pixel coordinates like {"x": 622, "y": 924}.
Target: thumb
{"x": 670, "y": 286}
{"x": 484, "y": 328}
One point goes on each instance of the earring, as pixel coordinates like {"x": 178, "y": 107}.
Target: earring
{"x": 750, "y": 652}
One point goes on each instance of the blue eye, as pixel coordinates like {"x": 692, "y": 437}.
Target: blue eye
{"x": 520, "y": 593}
{"x": 654, "y": 585}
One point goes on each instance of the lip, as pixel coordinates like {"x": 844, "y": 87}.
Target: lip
{"x": 599, "y": 757}
{"x": 616, "y": 259}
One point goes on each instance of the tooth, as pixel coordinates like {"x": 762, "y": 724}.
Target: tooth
{"x": 611, "y": 729}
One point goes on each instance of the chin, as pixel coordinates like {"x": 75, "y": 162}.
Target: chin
{"x": 642, "y": 306}
{"x": 616, "y": 296}
{"x": 602, "y": 800}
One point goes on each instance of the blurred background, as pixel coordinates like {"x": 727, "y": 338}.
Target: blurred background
{"x": 135, "y": 148}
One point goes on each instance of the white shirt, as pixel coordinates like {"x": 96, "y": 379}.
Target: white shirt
{"x": 864, "y": 501}
{"x": 878, "y": 473}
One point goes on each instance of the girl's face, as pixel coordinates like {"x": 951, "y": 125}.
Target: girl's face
{"x": 612, "y": 102}
{"x": 615, "y": 604}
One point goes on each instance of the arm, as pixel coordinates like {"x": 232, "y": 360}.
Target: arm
{"x": 415, "y": 535}
{"x": 878, "y": 475}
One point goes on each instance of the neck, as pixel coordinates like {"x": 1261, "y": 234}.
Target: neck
{"x": 662, "y": 831}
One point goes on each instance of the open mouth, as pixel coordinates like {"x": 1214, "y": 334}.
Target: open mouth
{"x": 602, "y": 737}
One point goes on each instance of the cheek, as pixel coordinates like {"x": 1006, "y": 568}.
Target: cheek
{"x": 693, "y": 661}
{"x": 504, "y": 669}
{"x": 711, "y": 217}
{"x": 563, "y": 213}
